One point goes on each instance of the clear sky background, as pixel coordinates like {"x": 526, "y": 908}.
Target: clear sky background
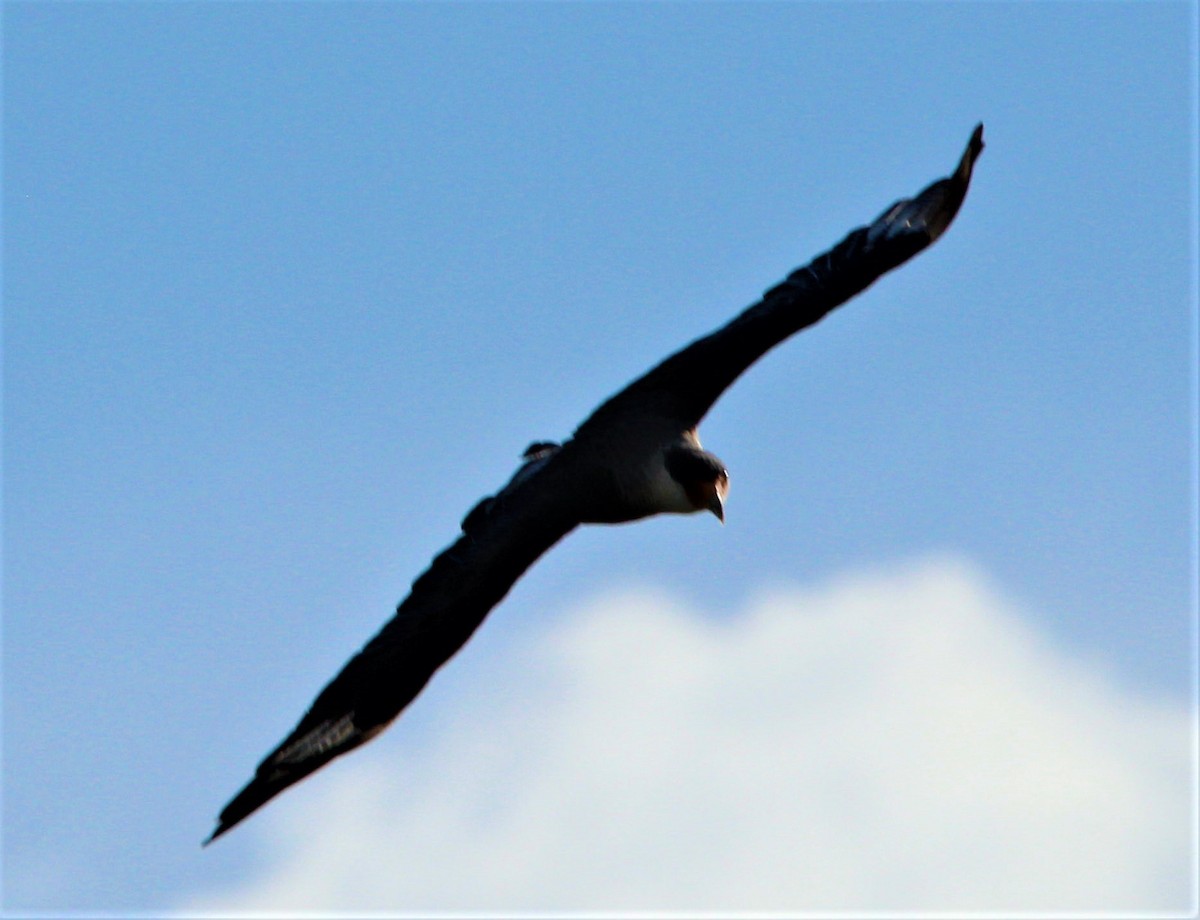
{"x": 288, "y": 287}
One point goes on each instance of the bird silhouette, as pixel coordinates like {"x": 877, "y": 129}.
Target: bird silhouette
{"x": 637, "y": 455}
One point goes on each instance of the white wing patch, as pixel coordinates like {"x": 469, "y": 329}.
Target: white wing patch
{"x": 325, "y": 736}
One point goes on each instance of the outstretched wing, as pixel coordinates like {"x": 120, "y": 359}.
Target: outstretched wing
{"x": 502, "y": 537}
{"x": 684, "y": 386}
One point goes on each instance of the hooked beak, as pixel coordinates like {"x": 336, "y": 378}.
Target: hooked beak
{"x": 716, "y": 506}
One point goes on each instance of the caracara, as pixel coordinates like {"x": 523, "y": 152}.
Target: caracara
{"x": 637, "y": 455}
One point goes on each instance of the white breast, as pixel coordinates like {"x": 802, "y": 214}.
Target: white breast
{"x": 667, "y": 495}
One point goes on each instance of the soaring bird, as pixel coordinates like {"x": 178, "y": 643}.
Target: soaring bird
{"x": 637, "y": 455}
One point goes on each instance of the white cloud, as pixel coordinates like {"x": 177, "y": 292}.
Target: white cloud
{"x": 895, "y": 740}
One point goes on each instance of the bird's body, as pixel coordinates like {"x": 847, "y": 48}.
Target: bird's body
{"x": 637, "y": 455}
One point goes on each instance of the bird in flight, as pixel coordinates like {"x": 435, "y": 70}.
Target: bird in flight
{"x": 637, "y": 455}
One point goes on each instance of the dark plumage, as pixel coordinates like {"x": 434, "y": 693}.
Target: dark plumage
{"x": 637, "y": 455}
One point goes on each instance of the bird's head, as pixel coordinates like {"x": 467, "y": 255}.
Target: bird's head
{"x": 703, "y": 477}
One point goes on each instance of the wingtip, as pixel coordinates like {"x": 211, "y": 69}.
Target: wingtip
{"x": 243, "y": 805}
{"x": 975, "y": 145}
{"x": 974, "y": 148}
{"x": 221, "y": 828}
{"x": 924, "y": 218}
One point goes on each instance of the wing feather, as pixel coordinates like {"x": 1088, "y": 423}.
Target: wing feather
{"x": 684, "y": 386}
{"x": 501, "y": 539}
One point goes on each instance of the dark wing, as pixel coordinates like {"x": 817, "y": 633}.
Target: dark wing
{"x": 685, "y": 385}
{"x": 502, "y": 537}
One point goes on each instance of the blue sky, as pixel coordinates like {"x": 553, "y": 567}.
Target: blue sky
{"x": 288, "y": 287}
